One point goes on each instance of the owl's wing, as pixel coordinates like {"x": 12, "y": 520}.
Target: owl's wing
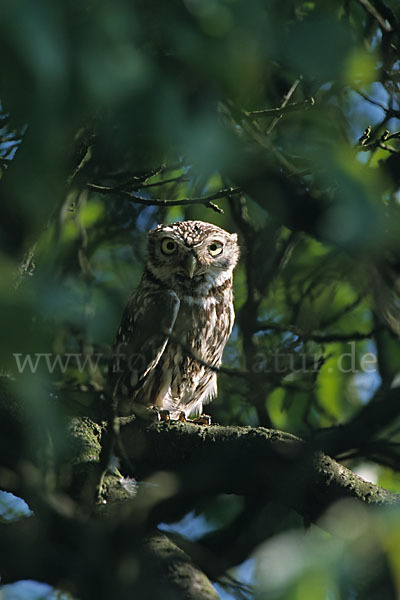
{"x": 142, "y": 337}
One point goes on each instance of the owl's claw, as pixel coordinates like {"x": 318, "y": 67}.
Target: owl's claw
{"x": 163, "y": 415}
{"x": 159, "y": 414}
{"x": 201, "y": 420}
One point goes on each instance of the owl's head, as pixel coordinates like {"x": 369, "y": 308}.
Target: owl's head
{"x": 192, "y": 256}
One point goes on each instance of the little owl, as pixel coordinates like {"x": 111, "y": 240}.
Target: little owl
{"x": 178, "y": 321}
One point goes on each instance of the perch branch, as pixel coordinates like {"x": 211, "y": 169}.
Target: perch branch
{"x": 243, "y": 461}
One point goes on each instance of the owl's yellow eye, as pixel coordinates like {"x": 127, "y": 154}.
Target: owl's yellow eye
{"x": 168, "y": 246}
{"x": 215, "y": 248}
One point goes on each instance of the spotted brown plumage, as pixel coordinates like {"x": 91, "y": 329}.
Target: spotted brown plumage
{"x": 176, "y": 324}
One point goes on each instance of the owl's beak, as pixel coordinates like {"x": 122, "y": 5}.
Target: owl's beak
{"x": 190, "y": 265}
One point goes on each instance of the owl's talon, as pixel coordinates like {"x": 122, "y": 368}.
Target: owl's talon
{"x": 163, "y": 415}
{"x": 201, "y": 420}
{"x": 182, "y": 417}
{"x": 159, "y": 414}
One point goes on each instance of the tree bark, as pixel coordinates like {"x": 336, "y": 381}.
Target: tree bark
{"x": 246, "y": 461}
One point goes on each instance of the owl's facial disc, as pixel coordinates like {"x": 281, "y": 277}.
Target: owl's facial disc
{"x": 192, "y": 257}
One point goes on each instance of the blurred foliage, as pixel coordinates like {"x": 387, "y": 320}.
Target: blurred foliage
{"x": 341, "y": 564}
{"x": 109, "y": 110}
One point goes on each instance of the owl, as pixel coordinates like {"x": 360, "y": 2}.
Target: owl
{"x": 175, "y": 326}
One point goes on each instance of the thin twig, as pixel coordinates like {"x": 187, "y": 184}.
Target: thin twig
{"x": 371, "y": 100}
{"x": 365, "y": 146}
{"x": 280, "y": 110}
{"x": 386, "y": 147}
{"x": 180, "y": 178}
{"x": 252, "y": 128}
{"x": 204, "y": 200}
{"x": 285, "y": 101}
{"x": 135, "y": 181}
{"x": 316, "y": 337}
{"x": 393, "y": 135}
{"x": 376, "y": 15}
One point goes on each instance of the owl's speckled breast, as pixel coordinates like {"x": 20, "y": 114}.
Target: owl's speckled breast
{"x": 200, "y": 333}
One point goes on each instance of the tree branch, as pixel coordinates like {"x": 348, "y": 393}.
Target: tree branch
{"x": 316, "y": 337}
{"x": 379, "y": 413}
{"x": 204, "y": 200}
{"x": 65, "y": 559}
{"x": 243, "y": 461}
